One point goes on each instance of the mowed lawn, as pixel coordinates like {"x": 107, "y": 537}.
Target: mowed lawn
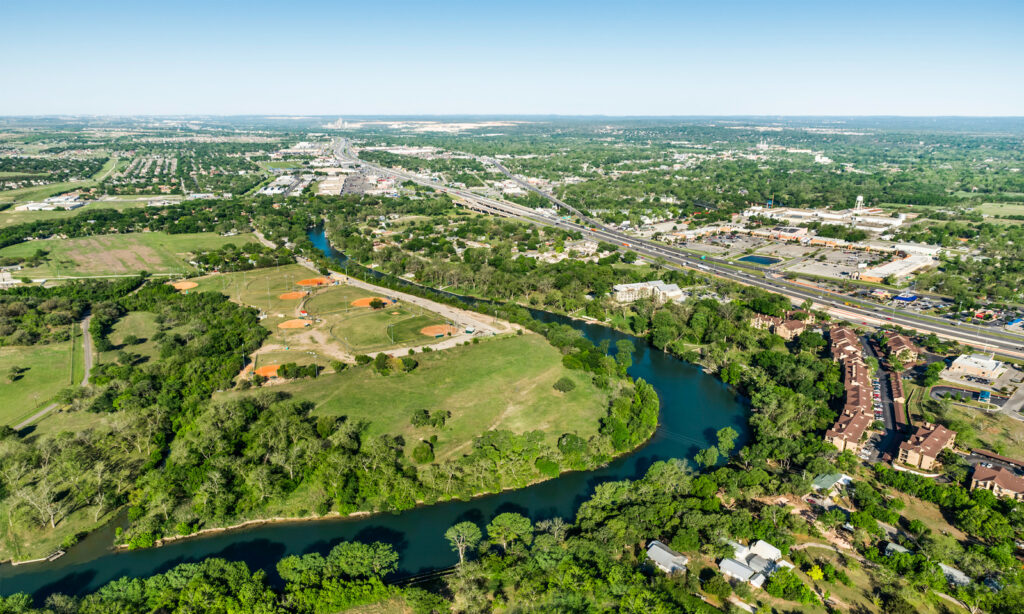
{"x": 119, "y": 254}
{"x": 46, "y": 371}
{"x": 260, "y": 288}
{"x": 368, "y": 330}
{"x": 501, "y": 383}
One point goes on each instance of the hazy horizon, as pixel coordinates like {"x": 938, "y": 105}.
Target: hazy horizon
{"x": 645, "y": 59}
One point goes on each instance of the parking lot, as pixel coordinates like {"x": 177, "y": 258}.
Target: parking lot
{"x": 836, "y": 263}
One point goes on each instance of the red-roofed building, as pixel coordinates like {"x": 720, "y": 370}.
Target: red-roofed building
{"x": 923, "y": 447}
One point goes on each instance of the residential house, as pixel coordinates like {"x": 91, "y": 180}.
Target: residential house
{"x": 924, "y": 445}
{"x": 830, "y": 483}
{"x": 665, "y": 558}
{"x": 753, "y": 564}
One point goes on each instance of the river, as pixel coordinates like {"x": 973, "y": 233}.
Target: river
{"x": 693, "y": 407}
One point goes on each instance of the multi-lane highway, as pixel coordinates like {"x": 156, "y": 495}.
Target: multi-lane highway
{"x": 842, "y": 306}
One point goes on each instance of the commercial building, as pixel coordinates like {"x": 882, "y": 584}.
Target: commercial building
{"x": 657, "y": 290}
{"x": 900, "y": 268}
{"x": 868, "y": 219}
{"x": 1002, "y": 482}
{"x": 924, "y": 445}
{"x": 665, "y": 558}
{"x": 976, "y": 365}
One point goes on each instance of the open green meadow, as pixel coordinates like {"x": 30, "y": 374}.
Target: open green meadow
{"x": 501, "y": 383}
{"x": 46, "y": 370}
{"x": 119, "y": 254}
{"x": 1001, "y": 209}
{"x": 259, "y": 288}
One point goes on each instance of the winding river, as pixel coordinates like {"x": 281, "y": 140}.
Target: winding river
{"x": 694, "y": 407}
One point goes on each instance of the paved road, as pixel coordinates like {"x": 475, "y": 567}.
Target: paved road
{"x": 87, "y": 347}
{"x": 839, "y": 305}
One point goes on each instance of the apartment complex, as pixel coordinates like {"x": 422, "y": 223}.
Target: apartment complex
{"x": 789, "y": 327}
{"x": 902, "y": 347}
{"x": 857, "y": 414}
{"x": 924, "y": 445}
{"x": 1001, "y": 482}
{"x": 657, "y": 290}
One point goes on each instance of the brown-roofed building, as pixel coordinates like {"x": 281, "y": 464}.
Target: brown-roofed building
{"x": 763, "y": 322}
{"x": 790, "y": 329}
{"x": 902, "y": 347}
{"x": 785, "y": 328}
{"x": 844, "y": 343}
{"x": 857, "y": 414}
{"x": 1001, "y": 482}
{"x": 924, "y": 445}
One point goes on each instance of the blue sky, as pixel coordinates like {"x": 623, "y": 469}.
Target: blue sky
{"x": 492, "y": 57}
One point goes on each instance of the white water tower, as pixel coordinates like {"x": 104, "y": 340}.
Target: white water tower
{"x": 860, "y": 202}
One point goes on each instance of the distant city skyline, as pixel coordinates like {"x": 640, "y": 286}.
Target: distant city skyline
{"x": 524, "y": 58}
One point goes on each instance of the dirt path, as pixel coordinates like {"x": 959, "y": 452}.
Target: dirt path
{"x": 87, "y": 349}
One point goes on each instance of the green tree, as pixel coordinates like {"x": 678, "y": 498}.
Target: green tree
{"x": 462, "y": 537}
{"x": 508, "y": 528}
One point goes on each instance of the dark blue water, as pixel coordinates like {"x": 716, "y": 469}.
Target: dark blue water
{"x": 765, "y": 260}
{"x": 694, "y": 407}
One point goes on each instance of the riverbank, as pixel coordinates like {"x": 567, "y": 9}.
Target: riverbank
{"x": 693, "y": 408}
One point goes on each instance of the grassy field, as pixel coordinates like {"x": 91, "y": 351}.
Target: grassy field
{"x": 337, "y": 328}
{"x": 47, "y": 371}
{"x": 1001, "y": 209}
{"x": 120, "y": 254}
{"x": 502, "y": 383}
{"x": 143, "y": 325}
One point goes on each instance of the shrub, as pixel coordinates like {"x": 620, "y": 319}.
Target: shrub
{"x": 423, "y": 453}
{"x": 564, "y": 385}
{"x": 547, "y": 467}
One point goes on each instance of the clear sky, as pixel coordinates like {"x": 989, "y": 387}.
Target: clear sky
{"x": 494, "y": 57}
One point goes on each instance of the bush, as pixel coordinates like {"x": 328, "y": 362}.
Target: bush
{"x": 565, "y": 385}
{"x": 547, "y": 467}
{"x": 363, "y": 359}
{"x": 719, "y": 587}
{"x": 423, "y": 453}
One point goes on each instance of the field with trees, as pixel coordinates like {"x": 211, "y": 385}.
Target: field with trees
{"x": 120, "y": 254}
{"x": 500, "y": 384}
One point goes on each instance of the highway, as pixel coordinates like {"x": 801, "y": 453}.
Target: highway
{"x": 840, "y": 305}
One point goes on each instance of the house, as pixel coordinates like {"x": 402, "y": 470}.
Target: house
{"x": 761, "y": 321}
{"x": 954, "y": 576}
{"x": 657, "y": 290}
{"x": 924, "y": 445}
{"x": 1002, "y": 482}
{"x": 789, "y": 329}
{"x": 665, "y": 558}
{"x": 831, "y": 482}
{"x": 892, "y": 548}
{"x": 976, "y": 365}
{"x": 753, "y": 564}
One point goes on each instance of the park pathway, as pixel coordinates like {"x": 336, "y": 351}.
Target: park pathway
{"x": 87, "y": 348}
